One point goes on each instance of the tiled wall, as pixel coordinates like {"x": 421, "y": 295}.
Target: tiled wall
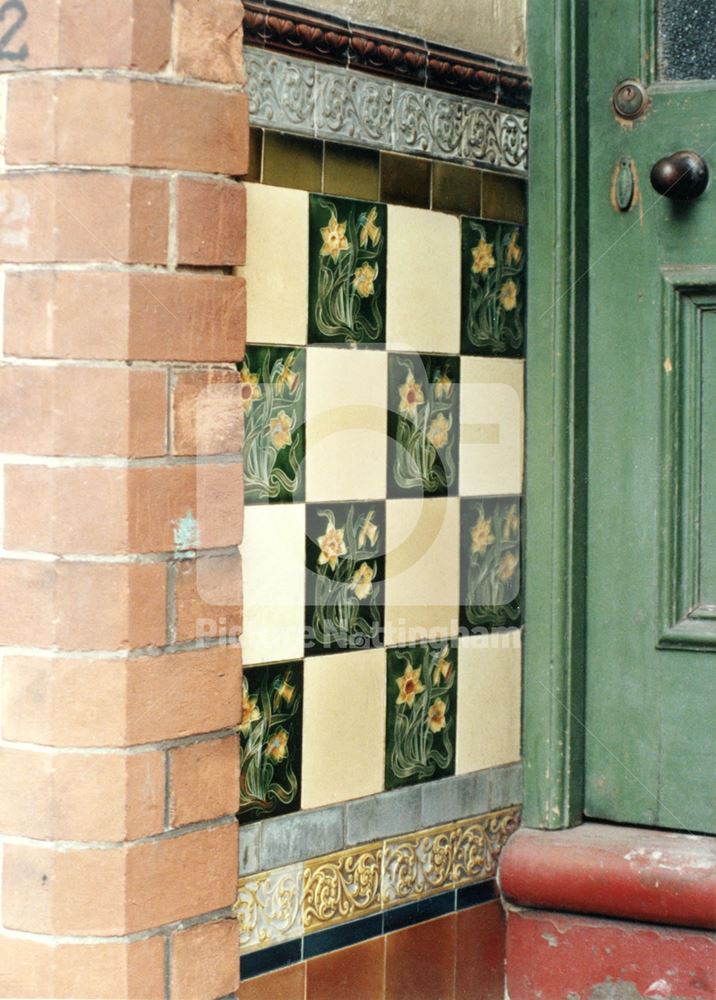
{"x": 383, "y": 425}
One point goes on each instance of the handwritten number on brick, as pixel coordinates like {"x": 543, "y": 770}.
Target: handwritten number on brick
{"x": 18, "y": 8}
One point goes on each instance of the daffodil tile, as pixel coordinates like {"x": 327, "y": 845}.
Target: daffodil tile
{"x": 269, "y": 908}
{"x": 491, "y": 426}
{"x": 423, "y": 424}
{"x": 271, "y": 740}
{"x": 494, "y": 258}
{"x": 273, "y": 396}
{"x": 490, "y": 570}
{"x": 347, "y": 271}
{"x": 418, "y": 865}
{"x": 421, "y": 713}
{"x": 345, "y": 576}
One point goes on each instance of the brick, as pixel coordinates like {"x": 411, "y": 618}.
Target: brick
{"x": 118, "y": 316}
{"x": 112, "y": 34}
{"x": 209, "y": 37}
{"x": 211, "y": 222}
{"x": 204, "y": 781}
{"x": 44, "y": 411}
{"x": 26, "y": 966}
{"x": 207, "y": 418}
{"x": 205, "y": 961}
{"x": 105, "y": 511}
{"x": 114, "y": 122}
{"x": 25, "y": 794}
{"x": 208, "y": 599}
{"x": 83, "y": 217}
{"x": 78, "y": 605}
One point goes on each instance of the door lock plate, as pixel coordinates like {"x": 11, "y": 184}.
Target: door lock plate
{"x": 630, "y": 99}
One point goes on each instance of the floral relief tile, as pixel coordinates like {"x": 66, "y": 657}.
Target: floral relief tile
{"x": 421, "y": 713}
{"x": 347, "y": 271}
{"x": 343, "y": 886}
{"x": 345, "y": 572}
{"x": 273, "y": 398}
{"x": 423, "y": 425}
{"x": 494, "y": 258}
{"x": 269, "y": 908}
{"x": 270, "y": 737}
{"x": 490, "y": 530}
{"x": 418, "y": 865}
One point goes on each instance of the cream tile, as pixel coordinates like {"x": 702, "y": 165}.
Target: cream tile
{"x": 270, "y": 908}
{"x": 422, "y": 569}
{"x": 423, "y": 308}
{"x": 491, "y": 426}
{"x": 346, "y": 434}
{"x": 488, "y": 704}
{"x": 343, "y": 727}
{"x": 273, "y": 556}
{"x": 276, "y": 268}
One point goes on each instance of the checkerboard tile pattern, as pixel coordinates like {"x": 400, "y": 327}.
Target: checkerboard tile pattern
{"x": 382, "y": 393}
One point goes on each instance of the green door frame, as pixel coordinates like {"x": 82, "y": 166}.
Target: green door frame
{"x": 555, "y": 553}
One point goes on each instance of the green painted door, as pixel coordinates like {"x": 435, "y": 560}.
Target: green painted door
{"x": 651, "y": 566}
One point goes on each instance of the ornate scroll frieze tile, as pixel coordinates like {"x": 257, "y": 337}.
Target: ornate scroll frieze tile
{"x": 418, "y": 866}
{"x": 269, "y": 908}
{"x": 354, "y": 107}
{"x": 478, "y": 843}
{"x": 281, "y": 91}
{"x": 342, "y": 887}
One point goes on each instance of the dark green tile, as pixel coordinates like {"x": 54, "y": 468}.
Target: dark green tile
{"x": 347, "y": 271}
{"x": 256, "y": 152}
{"x": 273, "y": 397}
{"x": 423, "y": 425}
{"x": 293, "y": 162}
{"x": 270, "y": 737}
{"x": 421, "y": 713}
{"x": 456, "y": 189}
{"x": 345, "y": 574}
{"x": 490, "y": 530}
{"x": 352, "y": 172}
{"x": 504, "y": 198}
{"x": 405, "y": 180}
{"x": 494, "y": 259}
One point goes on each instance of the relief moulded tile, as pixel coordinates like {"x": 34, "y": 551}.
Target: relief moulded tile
{"x": 273, "y": 558}
{"x": 269, "y": 908}
{"x": 423, "y": 281}
{"x": 344, "y": 727}
{"x": 276, "y": 265}
{"x": 418, "y": 865}
{"x": 491, "y": 426}
{"x": 490, "y": 563}
{"x": 493, "y": 289}
{"x": 341, "y": 887}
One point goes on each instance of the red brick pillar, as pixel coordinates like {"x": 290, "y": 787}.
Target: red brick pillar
{"x": 120, "y": 223}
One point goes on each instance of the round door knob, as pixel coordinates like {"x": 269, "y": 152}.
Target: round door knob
{"x": 683, "y": 175}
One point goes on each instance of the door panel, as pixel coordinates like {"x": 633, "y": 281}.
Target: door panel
{"x": 651, "y": 630}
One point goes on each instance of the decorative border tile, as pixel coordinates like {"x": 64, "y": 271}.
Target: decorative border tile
{"x": 295, "y": 95}
{"x": 341, "y": 887}
{"x": 269, "y": 908}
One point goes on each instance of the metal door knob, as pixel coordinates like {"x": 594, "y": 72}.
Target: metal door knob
{"x": 683, "y": 175}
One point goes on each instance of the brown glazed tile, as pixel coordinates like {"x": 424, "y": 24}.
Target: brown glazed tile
{"x": 504, "y": 198}
{"x": 356, "y": 973}
{"x": 292, "y": 161}
{"x": 456, "y": 189}
{"x": 288, "y": 984}
{"x": 480, "y": 967}
{"x": 256, "y": 152}
{"x": 352, "y": 172}
{"x": 420, "y": 961}
{"x": 404, "y": 180}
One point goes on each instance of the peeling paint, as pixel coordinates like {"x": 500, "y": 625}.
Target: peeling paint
{"x": 186, "y": 533}
{"x": 551, "y": 940}
{"x": 622, "y": 990}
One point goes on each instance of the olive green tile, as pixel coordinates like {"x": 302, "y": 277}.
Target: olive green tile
{"x": 405, "y": 180}
{"x": 352, "y": 172}
{"x": 293, "y": 162}
{"x": 456, "y": 189}
{"x": 504, "y": 198}
{"x": 256, "y": 152}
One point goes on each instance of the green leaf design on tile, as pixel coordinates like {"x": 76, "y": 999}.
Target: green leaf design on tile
{"x": 494, "y": 257}
{"x": 270, "y": 740}
{"x": 421, "y": 713}
{"x": 347, "y": 271}
{"x": 344, "y": 576}
{"x": 273, "y": 383}
{"x": 423, "y": 424}
{"x": 490, "y": 533}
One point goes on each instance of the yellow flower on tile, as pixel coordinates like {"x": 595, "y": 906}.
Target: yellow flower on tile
{"x": 409, "y": 685}
{"x": 483, "y": 257}
{"x": 287, "y": 377}
{"x": 286, "y": 692}
{"x": 281, "y": 430}
{"x": 511, "y": 524}
{"x": 368, "y": 530}
{"x": 436, "y": 716}
{"x": 370, "y": 231}
{"x": 482, "y": 535}
{"x": 364, "y": 280}
{"x": 249, "y": 712}
{"x": 411, "y": 396}
{"x": 443, "y": 668}
{"x": 334, "y": 239}
{"x": 438, "y": 431}
{"x": 443, "y": 387}
{"x": 513, "y": 254}
{"x": 508, "y": 295}
{"x": 362, "y": 583}
{"x": 507, "y": 567}
{"x": 249, "y": 388}
{"x": 332, "y": 546}
{"x": 277, "y": 746}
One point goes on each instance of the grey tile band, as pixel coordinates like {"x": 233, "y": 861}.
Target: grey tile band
{"x": 343, "y": 105}
{"x": 301, "y": 836}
